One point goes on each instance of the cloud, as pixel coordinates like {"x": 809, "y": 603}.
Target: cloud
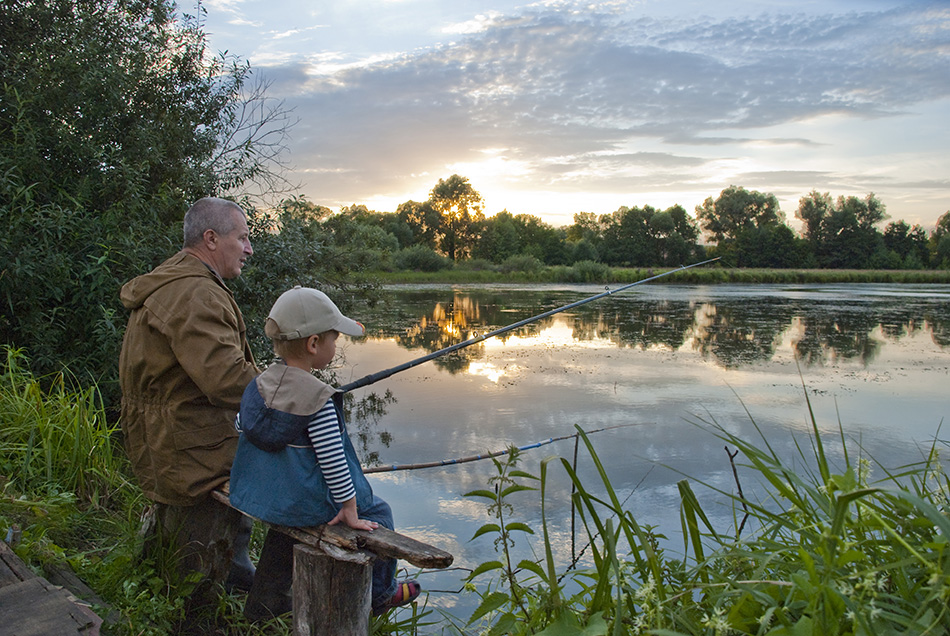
{"x": 478, "y": 24}
{"x": 232, "y": 8}
{"x": 293, "y": 32}
{"x": 593, "y": 95}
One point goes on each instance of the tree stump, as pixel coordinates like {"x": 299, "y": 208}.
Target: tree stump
{"x": 332, "y": 591}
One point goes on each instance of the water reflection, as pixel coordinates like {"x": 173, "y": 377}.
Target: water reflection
{"x": 731, "y": 330}
{"x": 874, "y": 361}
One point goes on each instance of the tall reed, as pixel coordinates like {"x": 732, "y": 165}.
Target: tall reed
{"x": 55, "y": 438}
{"x": 824, "y": 551}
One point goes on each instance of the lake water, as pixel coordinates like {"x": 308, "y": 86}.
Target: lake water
{"x": 648, "y": 365}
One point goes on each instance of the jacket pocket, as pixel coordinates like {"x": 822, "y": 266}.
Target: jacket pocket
{"x": 206, "y": 437}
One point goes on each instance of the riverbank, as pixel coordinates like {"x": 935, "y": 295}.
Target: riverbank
{"x": 700, "y": 275}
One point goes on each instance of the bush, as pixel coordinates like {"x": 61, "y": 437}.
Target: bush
{"x": 583, "y": 250}
{"x": 590, "y": 272}
{"x": 521, "y": 263}
{"x": 111, "y": 114}
{"x": 477, "y": 265}
{"x": 422, "y": 259}
{"x": 300, "y": 253}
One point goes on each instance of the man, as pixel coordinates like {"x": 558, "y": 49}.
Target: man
{"x": 184, "y": 364}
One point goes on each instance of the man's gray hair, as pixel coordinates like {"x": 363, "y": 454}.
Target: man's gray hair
{"x": 209, "y": 213}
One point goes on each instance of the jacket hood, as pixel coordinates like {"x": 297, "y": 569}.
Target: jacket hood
{"x": 182, "y": 265}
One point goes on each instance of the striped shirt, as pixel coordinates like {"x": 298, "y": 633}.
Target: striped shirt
{"x": 327, "y": 441}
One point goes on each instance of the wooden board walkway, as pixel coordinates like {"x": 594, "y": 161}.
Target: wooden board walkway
{"x": 32, "y": 606}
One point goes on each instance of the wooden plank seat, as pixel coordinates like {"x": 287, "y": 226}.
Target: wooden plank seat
{"x": 332, "y": 580}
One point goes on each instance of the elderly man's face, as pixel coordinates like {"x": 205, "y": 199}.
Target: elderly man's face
{"x": 233, "y": 249}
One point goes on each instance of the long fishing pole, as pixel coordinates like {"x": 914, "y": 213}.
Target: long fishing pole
{"x": 382, "y": 375}
{"x": 386, "y": 468}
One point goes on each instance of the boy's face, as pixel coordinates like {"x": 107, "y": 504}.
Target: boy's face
{"x": 323, "y": 348}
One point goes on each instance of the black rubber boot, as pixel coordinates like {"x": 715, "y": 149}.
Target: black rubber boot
{"x": 270, "y": 594}
{"x": 241, "y": 574}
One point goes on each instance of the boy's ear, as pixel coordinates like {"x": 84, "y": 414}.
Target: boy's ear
{"x": 313, "y": 342}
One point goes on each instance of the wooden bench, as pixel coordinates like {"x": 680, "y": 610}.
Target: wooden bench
{"x": 332, "y": 580}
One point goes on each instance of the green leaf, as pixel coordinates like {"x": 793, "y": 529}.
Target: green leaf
{"x": 567, "y": 624}
{"x": 488, "y": 527}
{"x": 489, "y": 604}
{"x": 802, "y": 628}
{"x": 504, "y": 626}
{"x": 487, "y": 566}
{"x": 518, "y": 526}
{"x": 487, "y": 494}
{"x": 596, "y": 626}
{"x": 534, "y": 567}
{"x": 510, "y": 490}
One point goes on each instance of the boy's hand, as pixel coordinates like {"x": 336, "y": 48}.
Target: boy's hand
{"x": 349, "y": 515}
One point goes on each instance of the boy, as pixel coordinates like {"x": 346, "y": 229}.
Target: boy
{"x": 295, "y": 464}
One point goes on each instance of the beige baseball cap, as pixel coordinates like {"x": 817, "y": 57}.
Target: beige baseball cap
{"x": 301, "y": 312}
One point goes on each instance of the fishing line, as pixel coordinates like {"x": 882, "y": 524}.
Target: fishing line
{"x": 474, "y": 458}
{"x": 382, "y": 375}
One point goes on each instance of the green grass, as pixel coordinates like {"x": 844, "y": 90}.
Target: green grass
{"x": 57, "y": 440}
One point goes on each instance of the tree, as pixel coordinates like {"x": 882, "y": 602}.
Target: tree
{"x": 674, "y": 234}
{"x": 774, "y": 246}
{"x": 583, "y": 250}
{"x": 626, "y": 238}
{"x": 737, "y": 209}
{"x": 460, "y": 207}
{"x": 942, "y": 228}
{"x": 293, "y": 245}
{"x": 584, "y": 237}
{"x": 908, "y": 244}
{"x": 586, "y": 226}
{"x": 920, "y": 252}
{"x": 939, "y": 242}
{"x": 812, "y": 212}
{"x": 500, "y": 238}
{"x": 644, "y": 237}
{"x": 424, "y": 223}
{"x": 849, "y": 238}
{"x": 358, "y": 233}
{"x": 868, "y": 211}
{"x": 542, "y": 240}
{"x": 113, "y": 118}
{"x": 253, "y": 130}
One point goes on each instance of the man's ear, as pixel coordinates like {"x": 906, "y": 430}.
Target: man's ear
{"x": 210, "y": 239}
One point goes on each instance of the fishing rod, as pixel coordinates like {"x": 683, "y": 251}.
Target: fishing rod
{"x": 473, "y": 458}
{"x": 382, "y": 375}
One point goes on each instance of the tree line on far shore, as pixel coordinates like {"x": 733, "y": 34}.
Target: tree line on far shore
{"x": 743, "y": 227}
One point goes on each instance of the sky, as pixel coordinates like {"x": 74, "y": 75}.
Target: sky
{"x": 556, "y": 107}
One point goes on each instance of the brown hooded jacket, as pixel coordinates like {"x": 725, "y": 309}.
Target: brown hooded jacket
{"x": 184, "y": 365}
